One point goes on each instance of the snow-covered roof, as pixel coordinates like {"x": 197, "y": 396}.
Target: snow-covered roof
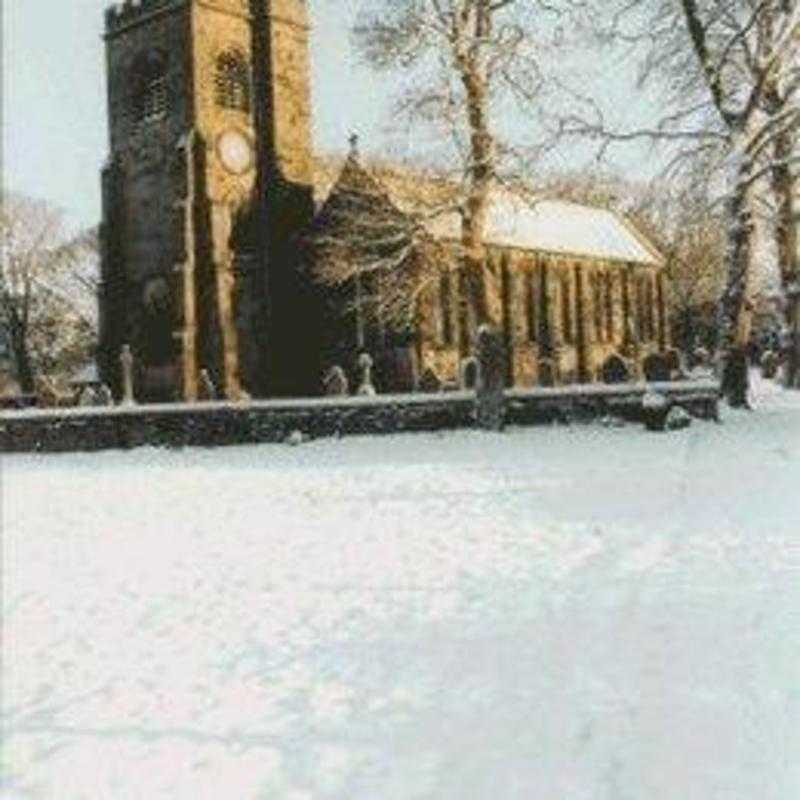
{"x": 513, "y": 220}
{"x": 557, "y": 226}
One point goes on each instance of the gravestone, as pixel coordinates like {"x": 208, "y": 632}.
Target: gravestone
{"x": 769, "y": 364}
{"x": 614, "y": 370}
{"x": 546, "y": 372}
{"x": 654, "y": 410}
{"x": 429, "y": 382}
{"x": 674, "y": 363}
{"x": 206, "y": 388}
{"x": 366, "y": 386}
{"x": 677, "y": 419}
{"x": 402, "y": 369}
{"x": 335, "y": 383}
{"x": 126, "y": 360}
{"x": 104, "y": 395}
{"x": 490, "y": 398}
{"x": 656, "y": 368}
{"x": 87, "y": 397}
{"x": 469, "y": 373}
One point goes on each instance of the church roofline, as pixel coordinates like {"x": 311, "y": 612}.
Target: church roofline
{"x": 544, "y": 226}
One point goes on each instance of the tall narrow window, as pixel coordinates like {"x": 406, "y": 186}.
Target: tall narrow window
{"x": 641, "y": 310}
{"x": 609, "y": 306}
{"x": 149, "y": 85}
{"x": 597, "y": 308}
{"x": 566, "y": 309}
{"x": 650, "y": 301}
{"x": 544, "y": 307}
{"x": 446, "y": 309}
{"x": 232, "y": 82}
{"x": 530, "y": 304}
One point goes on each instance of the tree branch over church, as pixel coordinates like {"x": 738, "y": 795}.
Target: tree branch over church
{"x": 458, "y": 59}
{"x": 728, "y": 72}
{"x": 387, "y": 254}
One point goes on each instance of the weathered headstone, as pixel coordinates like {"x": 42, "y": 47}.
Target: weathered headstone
{"x": 490, "y": 397}
{"x": 404, "y": 369}
{"x": 547, "y": 372}
{"x": 87, "y": 397}
{"x": 677, "y": 418}
{"x": 366, "y": 386}
{"x": 656, "y": 368}
{"x": 614, "y": 370}
{"x": 654, "y": 409}
{"x": 429, "y": 382}
{"x": 335, "y": 383}
{"x": 675, "y": 363}
{"x": 126, "y": 360}
{"x": 295, "y": 438}
{"x": 469, "y": 373}
{"x": 206, "y": 388}
{"x": 104, "y": 395}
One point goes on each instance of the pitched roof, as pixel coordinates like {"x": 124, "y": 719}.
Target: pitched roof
{"x": 545, "y": 225}
{"x": 557, "y": 226}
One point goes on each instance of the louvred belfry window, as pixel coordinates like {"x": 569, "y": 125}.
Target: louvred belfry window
{"x": 231, "y": 81}
{"x": 149, "y": 100}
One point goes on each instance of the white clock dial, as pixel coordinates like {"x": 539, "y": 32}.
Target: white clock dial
{"x": 235, "y": 152}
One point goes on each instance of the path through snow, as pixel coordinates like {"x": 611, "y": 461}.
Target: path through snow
{"x": 578, "y": 613}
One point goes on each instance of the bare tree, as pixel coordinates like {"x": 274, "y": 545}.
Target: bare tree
{"x": 689, "y": 232}
{"x": 781, "y": 102}
{"x": 47, "y": 299}
{"x": 460, "y": 60}
{"x": 719, "y": 63}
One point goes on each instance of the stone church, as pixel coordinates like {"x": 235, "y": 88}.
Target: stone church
{"x": 210, "y": 183}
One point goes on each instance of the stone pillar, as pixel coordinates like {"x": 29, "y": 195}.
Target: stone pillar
{"x": 490, "y": 397}
{"x": 186, "y": 274}
{"x": 225, "y": 280}
{"x": 366, "y": 387}
{"x": 126, "y": 361}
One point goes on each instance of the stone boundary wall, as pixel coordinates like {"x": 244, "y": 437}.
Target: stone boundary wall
{"x": 217, "y": 424}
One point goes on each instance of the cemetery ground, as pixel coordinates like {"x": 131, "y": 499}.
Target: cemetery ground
{"x": 582, "y": 612}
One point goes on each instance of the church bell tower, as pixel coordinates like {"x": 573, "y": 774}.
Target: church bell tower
{"x": 207, "y": 182}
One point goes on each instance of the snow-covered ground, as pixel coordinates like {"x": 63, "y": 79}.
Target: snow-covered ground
{"x": 579, "y": 613}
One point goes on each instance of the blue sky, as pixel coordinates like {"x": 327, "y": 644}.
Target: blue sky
{"x": 54, "y": 114}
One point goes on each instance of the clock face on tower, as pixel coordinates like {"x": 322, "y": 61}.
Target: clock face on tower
{"x": 235, "y": 151}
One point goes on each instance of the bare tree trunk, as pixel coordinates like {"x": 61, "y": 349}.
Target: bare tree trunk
{"x": 22, "y": 358}
{"x": 785, "y": 235}
{"x": 480, "y": 172}
{"x": 733, "y": 322}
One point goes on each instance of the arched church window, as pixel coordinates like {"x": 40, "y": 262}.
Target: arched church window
{"x": 445, "y": 309}
{"x": 566, "y": 310}
{"x": 232, "y": 82}
{"x": 608, "y": 287}
{"x": 149, "y": 83}
{"x": 597, "y": 308}
{"x": 530, "y": 304}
